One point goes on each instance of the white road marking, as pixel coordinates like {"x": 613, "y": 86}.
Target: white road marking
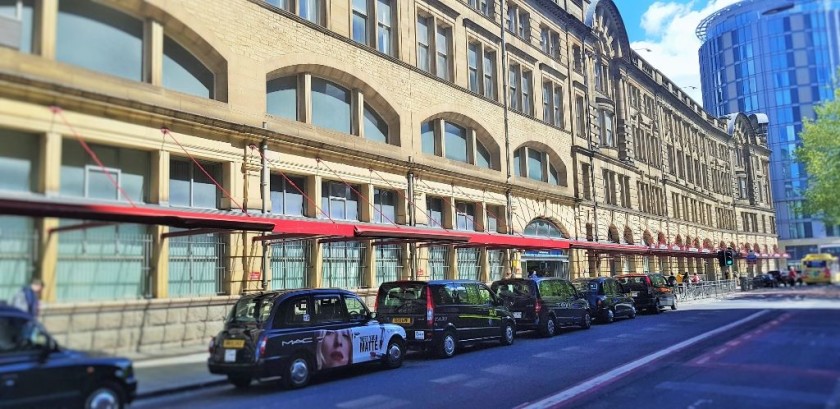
{"x": 549, "y": 355}
{"x": 479, "y": 383}
{"x": 768, "y": 394}
{"x": 592, "y": 383}
{"x": 451, "y": 378}
{"x": 503, "y": 369}
{"x": 374, "y": 402}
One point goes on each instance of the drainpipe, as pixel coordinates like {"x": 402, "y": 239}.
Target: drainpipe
{"x": 506, "y": 105}
{"x": 412, "y": 221}
{"x": 264, "y": 209}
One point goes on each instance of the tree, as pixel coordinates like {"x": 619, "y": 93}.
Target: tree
{"x": 820, "y": 152}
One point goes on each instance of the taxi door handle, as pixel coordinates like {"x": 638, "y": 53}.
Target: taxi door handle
{"x": 356, "y": 333}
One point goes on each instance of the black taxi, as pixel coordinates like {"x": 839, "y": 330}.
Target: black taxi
{"x": 544, "y": 304}
{"x": 441, "y": 315}
{"x": 37, "y": 373}
{"x": 293, "y": 334}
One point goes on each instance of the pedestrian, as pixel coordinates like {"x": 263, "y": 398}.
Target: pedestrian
{"x": 26, "y": 299}
{"x": 533, "y": 274}
{"x": 686, "y": 278}
{"x": 672, "y": 281}
{"x": 791, "y": 276}
{"x": 695, "y": 279}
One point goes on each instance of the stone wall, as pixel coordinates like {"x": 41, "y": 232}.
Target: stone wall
{"x": 143, "y": 326}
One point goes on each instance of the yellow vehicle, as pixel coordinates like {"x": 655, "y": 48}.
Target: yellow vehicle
{"x": 820, "y": 268}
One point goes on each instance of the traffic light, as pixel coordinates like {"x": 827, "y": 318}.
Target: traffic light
{"x": 729, "y": 257}
{"x": 721, "y": 258}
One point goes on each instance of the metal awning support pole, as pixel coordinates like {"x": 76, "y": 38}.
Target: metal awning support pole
{"x": 264, "y": 195}
{"x": 412, "y": 221}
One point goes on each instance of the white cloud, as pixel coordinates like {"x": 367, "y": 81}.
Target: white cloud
{"x": 669, "y": 30}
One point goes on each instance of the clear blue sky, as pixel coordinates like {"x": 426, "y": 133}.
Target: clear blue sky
{"x": 632, "y": 11}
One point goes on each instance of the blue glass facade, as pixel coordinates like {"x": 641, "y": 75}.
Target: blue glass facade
{"x": 778, "y": 57}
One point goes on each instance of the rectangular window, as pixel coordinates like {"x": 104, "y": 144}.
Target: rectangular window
{"x": 360, "y": 21}
{"x": 545, "y": 40}
{"x": 285, "y": 197}
{"x": 493, "y": 214}
{"x": 607, "y": 129}
{"x": 489, "y": 71}
{"x": 526, "y": 93}
{"x": 312, "y": 10}
{"x": 559, "y": 115}
{"x": 455, "y": 142}
{"x": 514, "y": 80}
{"x": 579, "y": 117}
{"x": 427, "y": 137}
{"x": 339, "y": 201}
{"x": 434, "y": 207}
{"x": 535, "y": 165}
{"x": 189, "y": 186}
{"x": 511, "y": 18}
{"x": 524, "y": 26}
{"x": 444, "y": 36}
{"x": 384, "y": 206}
{"x": 19, "y": 161}
{"x": 483, "y": 6}
{"x": 472, "y": 66}
{"x": 465, "y": 216}
{"x": 547, "y": 99}
{"x": 384, "y": 23}
{"x": 423, "y": 43}
{"x": 585, "y": 170}
{"x": 81, "y": 176}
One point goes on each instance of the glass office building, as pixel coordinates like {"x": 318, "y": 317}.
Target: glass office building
{"x": 778, "y": 57}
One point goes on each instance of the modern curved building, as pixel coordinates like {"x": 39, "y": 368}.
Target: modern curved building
{"x": 778, "y": 57}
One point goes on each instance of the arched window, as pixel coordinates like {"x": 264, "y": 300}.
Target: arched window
{"x": 185, "y": 73}
{"x": 534, "y": 164}
{"x": 332, "y": 106}
{"x": 543, "y": 228}
{"x": 453, "y": 141}
{"x": 100, "y": 38}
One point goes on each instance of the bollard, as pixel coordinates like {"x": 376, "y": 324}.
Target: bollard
{"x": 744, "y": 284}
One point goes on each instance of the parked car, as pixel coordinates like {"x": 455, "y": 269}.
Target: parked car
{"x": 649, "y": 291}
{"x": 37, "y": 373}
{"x": 764, "y": 281}
{"x": 296, "y": 333}
{"x": 442, "y": 315}
{"x": 607, "y": 298}
{"x": 543, "y": 304}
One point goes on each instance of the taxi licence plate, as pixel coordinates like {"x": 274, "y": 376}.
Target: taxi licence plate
{"x": 517, "y": 315}
{"x": 634, "y": 294}
{"x": 233, "y": 343}
{"x": 401, "y": 320}
{"x": 230, "y": 355}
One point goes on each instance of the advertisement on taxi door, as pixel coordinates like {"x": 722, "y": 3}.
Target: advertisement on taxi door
{"x": 335, "y": 348}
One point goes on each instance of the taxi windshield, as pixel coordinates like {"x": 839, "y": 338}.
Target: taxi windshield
{"x": 815, "y": 264}
{"x": 251, "y": 310}
{"x": 406, "y": 298}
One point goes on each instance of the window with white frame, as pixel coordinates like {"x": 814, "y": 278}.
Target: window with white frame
{"x": 190, "y": 186}
{"x": 520, "y": 89}
{"x": 493, "y": 215}
{"x": 465, "y": 216}
{"x": 453, "y": 141}
{"x": 339, "y": 201}
{"x": 536, "y": 165}
{"x": 286, "y": 193}
{"x": 331, "y": 106}
{"x": 481, "y": 64}
{"x": 486, "y": 7}
{"x": 553, "y": 104}
{"x": 550, "y": 42}
{"x": 384, "y": 206}
{"x": 580, "y": 115}
{"x": 372, "y": 24}
{"x": 434, "y": 46}
{"x": 607, "y": 136}
{"x": 126, "y": 172}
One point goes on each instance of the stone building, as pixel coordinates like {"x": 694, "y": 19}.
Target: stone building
{"x": 162, "y": 157}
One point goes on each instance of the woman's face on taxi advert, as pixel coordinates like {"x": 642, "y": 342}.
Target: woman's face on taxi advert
{"x": 335, "y": 348}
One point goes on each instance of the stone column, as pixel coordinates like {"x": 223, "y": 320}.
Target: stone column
{"x": 49, "y": 184}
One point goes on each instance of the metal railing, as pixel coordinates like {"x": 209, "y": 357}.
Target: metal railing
{"x": 706, "y": 289}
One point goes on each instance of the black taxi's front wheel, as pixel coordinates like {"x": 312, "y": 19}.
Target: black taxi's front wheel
{"x": 108, "y": 395}
{"x": 298, "y": 372}
{"x": 508, "y": 333}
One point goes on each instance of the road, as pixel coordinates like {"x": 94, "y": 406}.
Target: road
{"x": 778, "y": 348}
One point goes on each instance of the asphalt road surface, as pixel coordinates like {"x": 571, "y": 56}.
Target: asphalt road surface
{"x": 777, "y": 348}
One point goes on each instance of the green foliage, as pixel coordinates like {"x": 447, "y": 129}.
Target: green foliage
{"x": 820, "y": 152}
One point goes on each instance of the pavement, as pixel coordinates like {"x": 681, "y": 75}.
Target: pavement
{"x": 171, "y": 372}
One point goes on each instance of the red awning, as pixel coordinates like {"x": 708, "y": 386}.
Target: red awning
{"x": 616, "y": 248}
{"x": 506, "y": 241}
{"x": 410, "y": 233}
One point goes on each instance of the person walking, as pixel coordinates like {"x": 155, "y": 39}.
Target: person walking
{"x": 26, "y": 299}
{"x": 791, "y": 276}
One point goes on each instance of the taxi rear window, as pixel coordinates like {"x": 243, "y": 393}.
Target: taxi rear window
{"x": 586, "y": 286}
{"x": 251, "y": 310}
{"x": 513, "y": 288}
{"x": 815, "y": 264}
{"x": 406, "y": 298}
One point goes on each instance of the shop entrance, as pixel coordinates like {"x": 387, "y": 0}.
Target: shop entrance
{"x": 553, "y": 263}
